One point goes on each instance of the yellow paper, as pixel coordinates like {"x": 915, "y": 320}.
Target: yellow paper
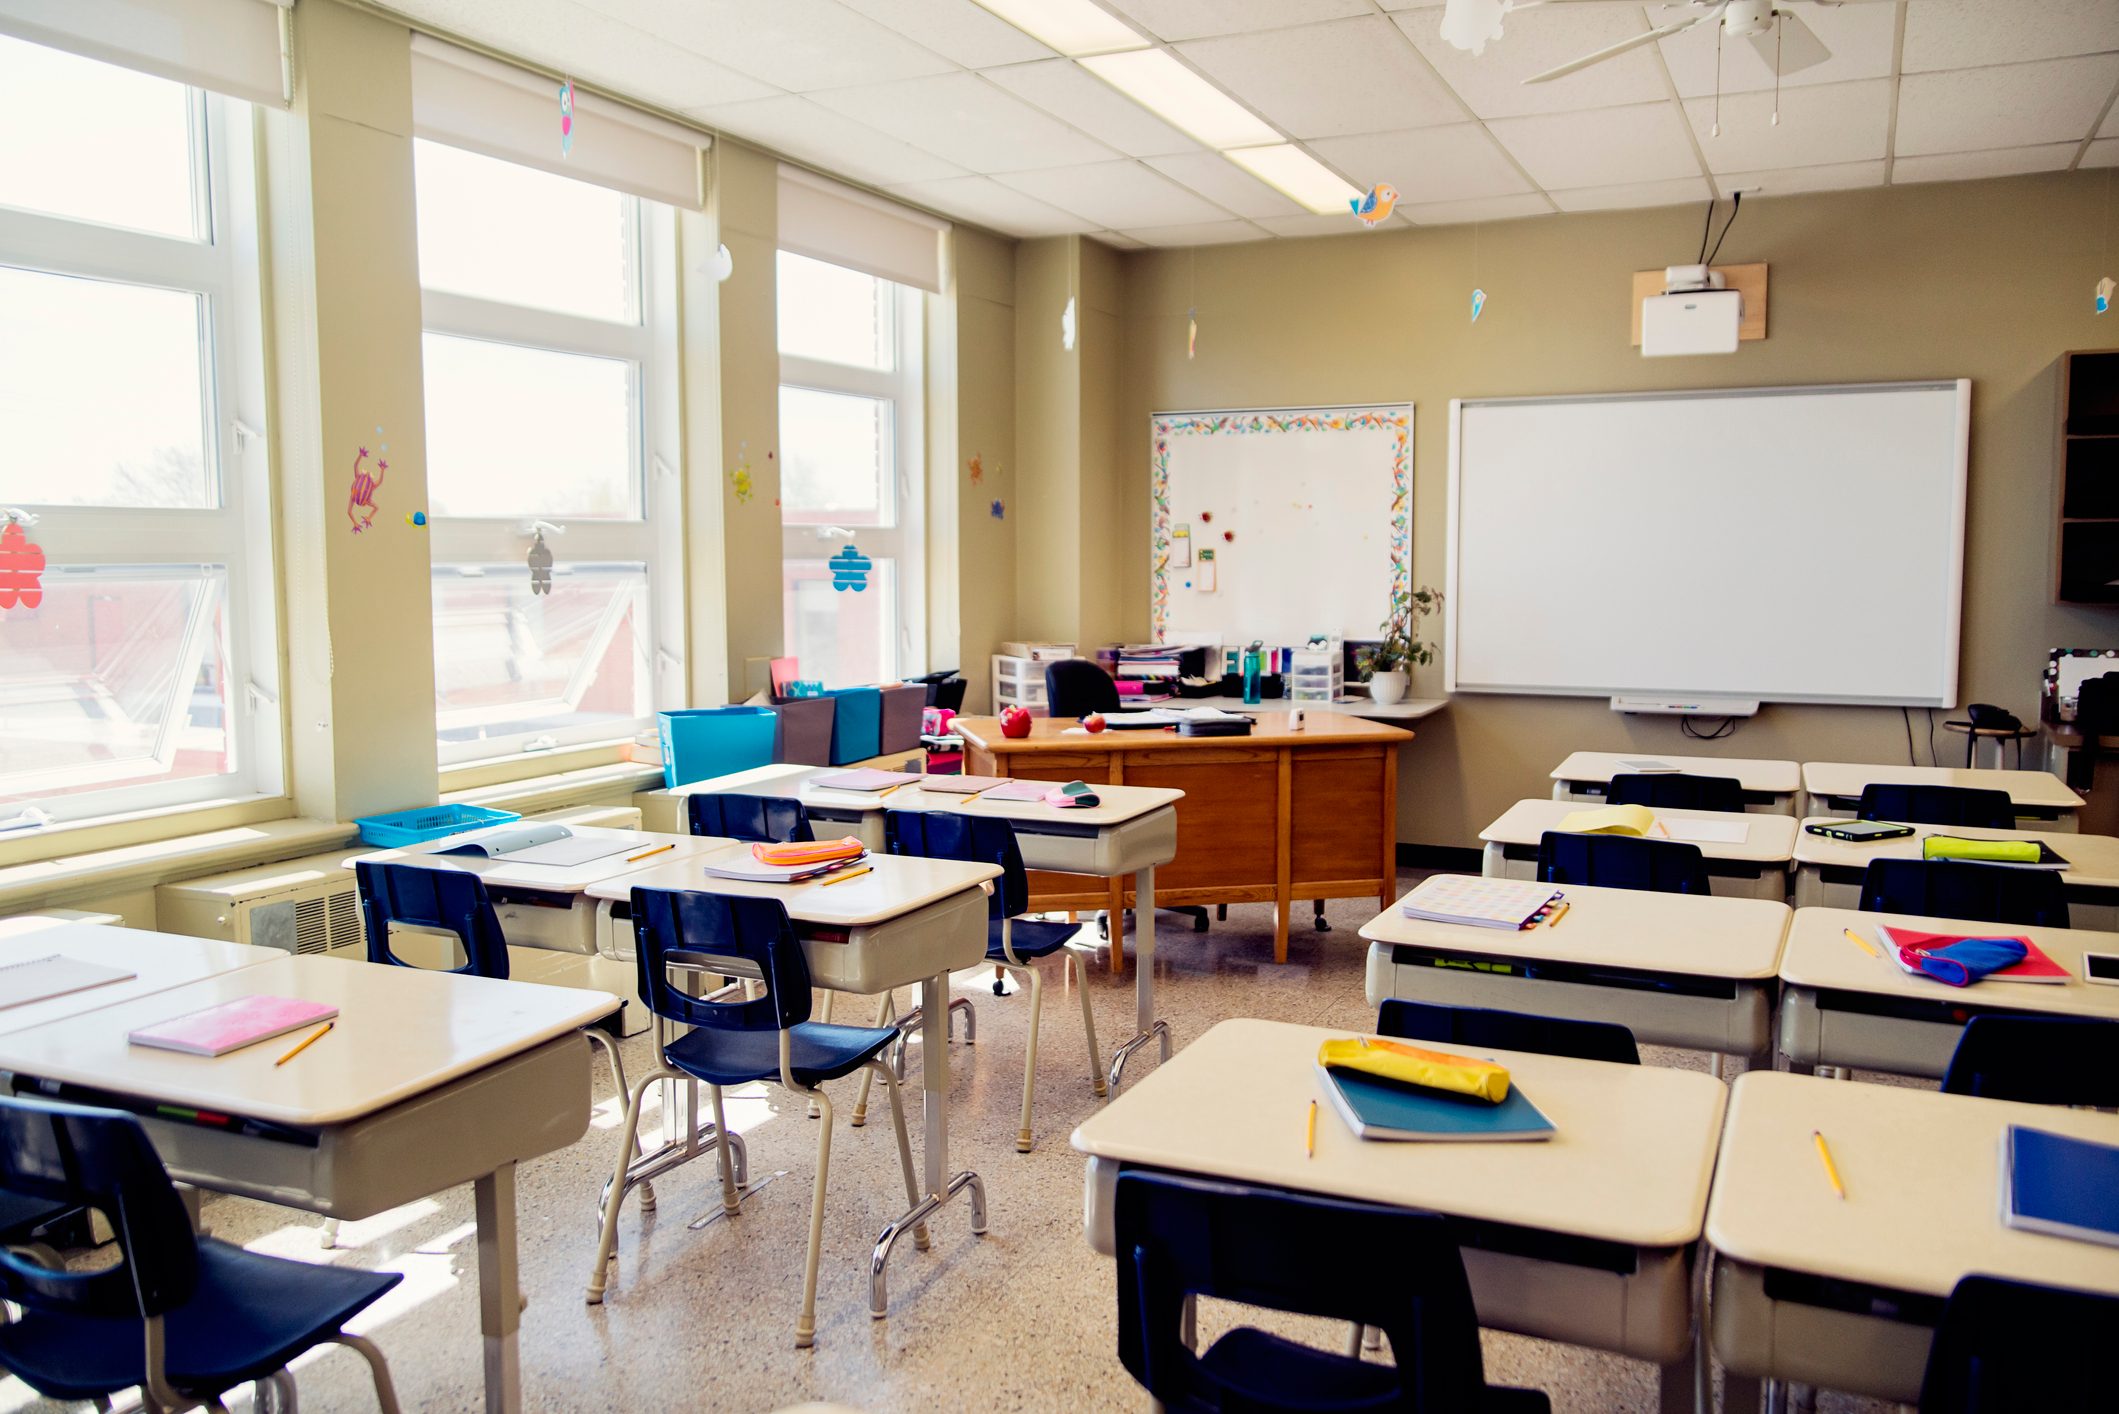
{"x": 1414, "y": 1065}
{"x": 1610, "y": 820}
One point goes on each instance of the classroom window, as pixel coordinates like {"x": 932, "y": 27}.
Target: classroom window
{"x": 547, "y": 357}
{"x": 139, "y": 663}
{"x": 850, "y": 454}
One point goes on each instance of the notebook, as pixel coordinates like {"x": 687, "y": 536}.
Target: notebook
{"x": 1382, "y": 1109}
{"x": 39, "y": 979}
{"x": 865, "y": 779}
{"x": 1479, "y": 902}
{"x": 2064, "y": 1187}
{"x": 1651, "y": 767}
{"x": 217, "y": 1030}
{"x": 542, "y": 844}
{"x": 745, "y": 869}
{"x": 1694, "y": 830}
{"x": 2009, "y": 854}
{"x": 961, "y": 785}
{"x": 2035, "y": 967}
{"x": 1609, "y": 820}
{"x": 1019, "y": 790}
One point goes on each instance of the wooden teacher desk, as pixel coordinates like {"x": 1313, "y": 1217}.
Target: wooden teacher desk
{"x": 1276, "y": 816}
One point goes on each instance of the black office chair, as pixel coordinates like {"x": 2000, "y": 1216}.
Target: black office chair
{"x": 1938, "y": 805}
{"x": 2038, "y": 1060}
{"x": 1075, "y": 687}
{"x": 2007, "y": 1346}
{"x": 1676, "y": 791}
{"x": 944, "y": 689}
{"x": 1622, "y": 862}
{"x": 1486, "y": 1027}
{"x": 1979, "y": 893}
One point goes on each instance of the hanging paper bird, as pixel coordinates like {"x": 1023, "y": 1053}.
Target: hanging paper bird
{"x": 1191, "y": 333}
{"x": 2104, "y": 295}
{"x": 1375, "y": 208}
{"x": 566, "y": 118}
{"x": 1478, "y": 304}
{"x": 849, "y": 570}
{"x": 540, "y": 566}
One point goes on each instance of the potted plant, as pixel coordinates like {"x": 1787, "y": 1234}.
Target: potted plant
{"x": 1387, "y": 666}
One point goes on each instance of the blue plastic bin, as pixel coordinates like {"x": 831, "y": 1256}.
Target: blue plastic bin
{"x": 698, "y": 742}
{"x": 856, "y": 724}
{"x": 403, "y": 827}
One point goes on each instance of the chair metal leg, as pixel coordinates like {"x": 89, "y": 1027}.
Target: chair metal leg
{"x": 275, "y": 1394}
{"x": 730, "y": 1203}
{"x": 327, "y": 1235}
{"x": 614, "y": 1195}
{"x": 1023, "y": 1139}
{"x": 385, "y": 1391}
{"x": 806, "y": 1326}
{"x": 1081, "y": 986}
{"x": 912, "y": 1178}
{"x": 886, "y": 1015}
{"x": 609, "y": 1046}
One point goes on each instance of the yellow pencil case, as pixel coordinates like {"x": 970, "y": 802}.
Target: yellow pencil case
{"x": 1411, "y": 1065}
{"x": 1993, "y": 851}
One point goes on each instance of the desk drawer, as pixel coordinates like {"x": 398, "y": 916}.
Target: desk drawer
{"x": 1142, "y": 841}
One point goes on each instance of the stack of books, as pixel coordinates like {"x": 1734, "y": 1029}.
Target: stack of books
{"x": 1481, "y": 903}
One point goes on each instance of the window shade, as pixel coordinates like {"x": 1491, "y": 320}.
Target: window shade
{"x": 470, "y": 101}
{"x": 229, "y": 46}
{"x": 828, "y": 220}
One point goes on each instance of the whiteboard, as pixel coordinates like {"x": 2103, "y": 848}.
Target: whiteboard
{"x": 1784, "y": 544}
{"x": 1308, "y": 513}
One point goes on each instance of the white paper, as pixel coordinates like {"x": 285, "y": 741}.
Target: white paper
{"x": 1698, "y": 831}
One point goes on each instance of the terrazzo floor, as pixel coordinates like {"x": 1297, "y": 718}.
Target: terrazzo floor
{"x": 1021, "y": 1319}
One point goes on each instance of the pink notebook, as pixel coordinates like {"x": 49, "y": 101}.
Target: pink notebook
{"x": 1019, "y": 790}
{"x": 961, "y": 785}
{"x": 866, "y": 778}
{"x": 232, "y": 1025}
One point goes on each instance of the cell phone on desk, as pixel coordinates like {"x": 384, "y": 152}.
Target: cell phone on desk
{"x": 1860, "y": 831}
{"x": 2101, "y": 967}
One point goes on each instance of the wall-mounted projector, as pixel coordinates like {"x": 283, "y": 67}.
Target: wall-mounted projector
{"x": 1693, "y": 315}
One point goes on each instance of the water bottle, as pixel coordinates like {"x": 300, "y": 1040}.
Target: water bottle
{"x": 1250, "y": 676}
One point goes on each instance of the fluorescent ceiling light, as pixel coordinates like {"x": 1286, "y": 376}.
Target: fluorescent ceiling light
{"x": 1073, "y": 27}
{"x": 1288, "y": 167}
{"x": 1166, "y": 88}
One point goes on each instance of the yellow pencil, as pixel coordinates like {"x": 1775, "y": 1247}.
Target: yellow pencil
{"x": 888, "y": 789}
{"x": 1553, "y": 919}
{"x": 1831, "y": 1172}
{"x": 307, "y": 1041}
{"x": 1310, "y": 1144}
{"x": 649, "y": 853}
{"x": 849, "y": 874}
{"x": 1859, "y": 941}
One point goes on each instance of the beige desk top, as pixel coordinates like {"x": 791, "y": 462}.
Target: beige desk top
{"x": 896, "y": 885}
{"x": 1766, "y": 777}
{"x": 1768, "y": 839}
{"x": 552, "y": 878}
{"x": 2039, "y": 789}
{"x": 1117, "y": 804}
{"x": 1922, "y": 1172}
{"x": 2093, "y": 860}
{"x": 161, "y": 960}
{"x": 401, "y": 1032}
{"x": 1630, "y": 1163}
{"x": 1818, "y": 955}
{"x": 1268, "y": 729}
{"x": 1698, "y": 935}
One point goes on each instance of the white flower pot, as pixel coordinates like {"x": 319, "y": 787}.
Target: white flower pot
{"x": 1389, "y": 689}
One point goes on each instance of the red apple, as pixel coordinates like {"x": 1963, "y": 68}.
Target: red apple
{"x": 1015, "y": 722}
{"x": 1095, "y": 722}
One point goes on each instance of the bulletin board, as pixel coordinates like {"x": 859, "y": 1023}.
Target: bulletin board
{"x": 1281, "y": 523}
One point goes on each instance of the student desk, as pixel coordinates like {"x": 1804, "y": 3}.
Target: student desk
{"x": 1842, "y": 1007}
{"x": 159, "y": 960}
{"x": 1835, "y": 788}
{"x": 1675, "y": 969}
{"x": 1585, "y": 1238}
{"x": 1846, "y": 1294}
{"x": 429, "y": 1080}
{"x": 1753, "y": 867}
{"x": 1276, "y": 816}
{"x": 909, "y": 921}
{"x": 1828, "y": 872}
{"x": 1769, "y": 786}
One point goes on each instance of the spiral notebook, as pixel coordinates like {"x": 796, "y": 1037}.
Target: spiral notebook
{"x": 217, "y": 1030}
{"x": 39, "y": 979}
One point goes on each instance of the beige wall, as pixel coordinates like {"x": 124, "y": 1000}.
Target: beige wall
{"x": 1986, "y": 280}
{"x": 974, "y": 587}
{"x": 1048, "y": 415}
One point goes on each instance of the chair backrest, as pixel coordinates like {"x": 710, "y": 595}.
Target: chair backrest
{"x": 2007, "y": 1346}
{"x": 1622, "y": 862}
{"x": 2097, "y": 707}
{"x": 1674, "y": 790}
{"x": 943, "y": 834}
{"x": 702, "y": 930}
{"x": 2039, "y": 1060}
{"x": 1938, "y": 805}
{"x": 1387, "y": 1267}
{"x": 1485, "y": 1027}
{"x": 1075, "y": 687}
{"x": 1979, "y": 893}
{"x": 97, "y": 1159}
{"x": 449, "y": 899}
{"x": 764, "y": 819}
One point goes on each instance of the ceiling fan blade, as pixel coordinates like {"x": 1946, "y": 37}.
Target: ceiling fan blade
{"x": 1798, "y": 44}
{"x": 1613, "y": 50}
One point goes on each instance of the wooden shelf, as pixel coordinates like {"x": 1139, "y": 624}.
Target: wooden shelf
{"x": 2086, "y": 509}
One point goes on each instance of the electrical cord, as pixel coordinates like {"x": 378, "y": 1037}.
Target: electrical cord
{"x": 1727, "y": 727}
{"x": 1706, "y": 230}
{"x": 1911, "y": 758}
{"x": 1734, "y": 207}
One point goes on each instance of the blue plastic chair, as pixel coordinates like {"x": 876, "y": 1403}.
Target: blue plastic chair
{"x": 1178, "y": 1239}
{"x": 1675, "y": 791}
{"x": 2039, "y": 1060}
{"x": 182, "y": 1317}
{"x": 1485, "y": 1027}
{"x": 1980, "y": 893}
{"x": 762, "y": 819}
{"x": 1622, "y": 862}
{"x": 1938, "y": 805}
{"x": 2009, "y": 1346}
{"x": 737, "y": 1042}
{"x": 1012, "y": 943}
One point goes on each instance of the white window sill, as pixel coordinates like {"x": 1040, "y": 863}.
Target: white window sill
{"x": 64, "y": 878}
{"x": 589, "y": 785}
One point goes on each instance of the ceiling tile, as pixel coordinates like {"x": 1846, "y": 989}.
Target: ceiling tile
{"x": 1118, "y": 240}
{"x": 1839, "y": 176}
{"x": 1311, "y": 224}
{"x": 1116, "y": 195}
{"x": 1633, "y": 194}
{"x": 1601, "y": 147}
{"x": 801, "y": 129}
{"x": 968, "y": 121}
{"x": 1203, "y": 233}
{"x": 1455, "y": 163}
{"x": 1859, "y": 36}
{"x": 955, "y": 29}
{"x": 1532, "y": 42}
{"x": 1071, "y": 93}
{"x": 1995, "y": 162}
{"x": 1225, "y": 184}
{"x": 1348, "y": 76}
{"x": 1195, "y": 19}
{"x": 2015, "y": 105}
{"x": 1842, "y": 122}
{"x": 798, "y": 45}
{"x": 2104, "y": 152}
{"x": 987, "y": 202}
{"x": 1491, "y": 208}
{"x": 1963, "y": 34}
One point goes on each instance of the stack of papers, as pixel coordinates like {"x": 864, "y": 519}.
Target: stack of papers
{"x": 1640, "y": 820}
{"x": 865, "y": 779}
{"x": 1649, "y": 766}
{"x": 1019, "y": 790}
{"x": 41, "y": 978}
{"x": 961, "y": 785}
{"x": 1168, "y": 717}
{"x": 1478, "y": 902}
{"x": 744, "y": 869}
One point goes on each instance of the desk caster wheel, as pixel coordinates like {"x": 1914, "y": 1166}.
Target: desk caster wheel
{"x": 1323, "y": 924}
{"x": 998, "y": 989}
{"x": 1199, "y": 922}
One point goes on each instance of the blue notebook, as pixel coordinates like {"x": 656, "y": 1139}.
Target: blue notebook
{"x": 1384, "y": 1109}
{"x": 2066, "y": 1187}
